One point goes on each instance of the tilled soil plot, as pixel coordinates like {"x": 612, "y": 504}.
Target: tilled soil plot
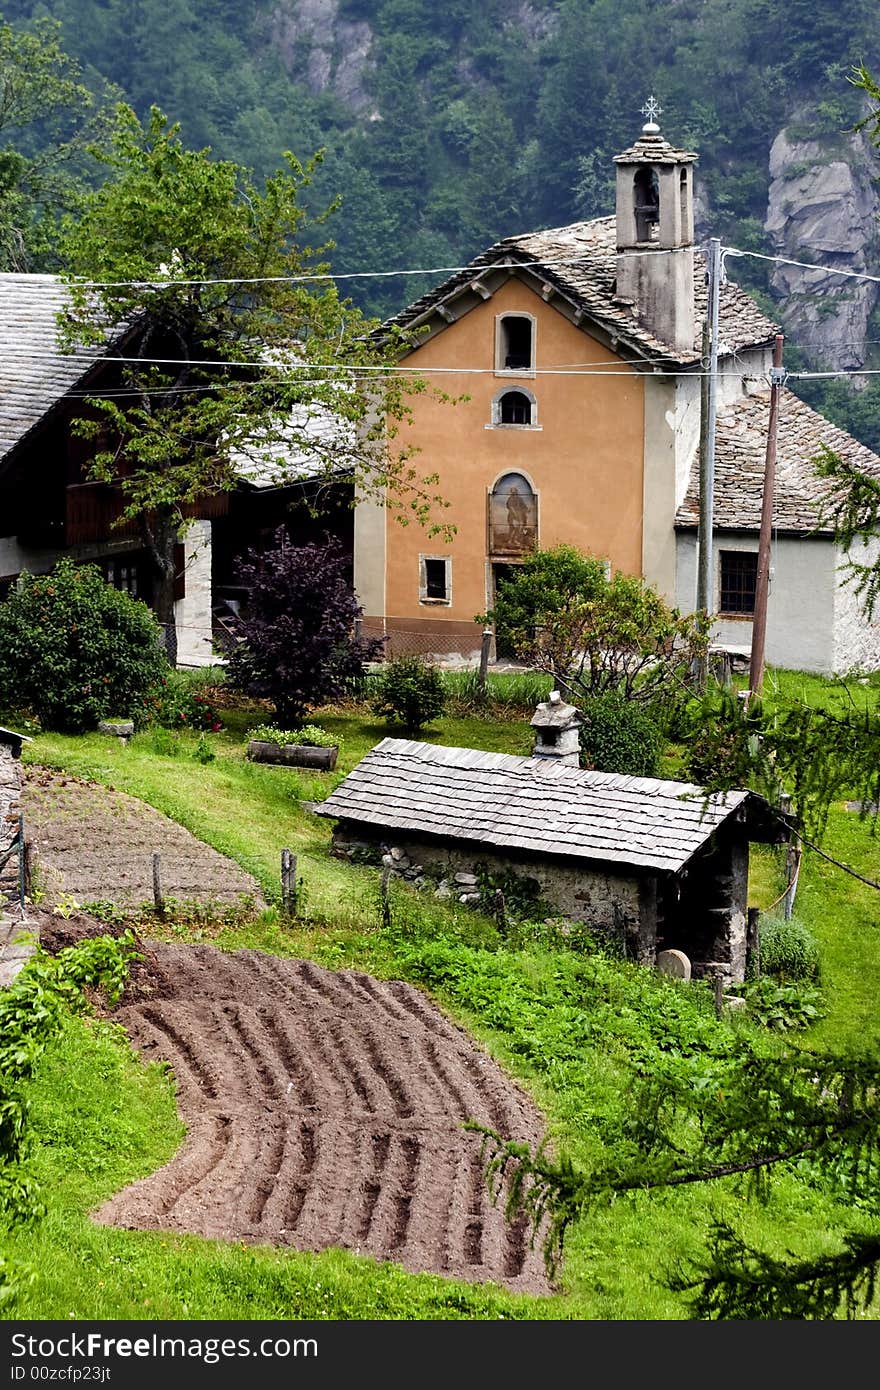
{"x": 324, "y": 1109}
{"x": 97, "y": 844}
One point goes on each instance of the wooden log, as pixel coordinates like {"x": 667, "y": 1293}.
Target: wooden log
{"x": 293, "y": 754}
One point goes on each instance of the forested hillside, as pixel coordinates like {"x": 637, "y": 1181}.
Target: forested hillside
{"x": 446, "y": 126}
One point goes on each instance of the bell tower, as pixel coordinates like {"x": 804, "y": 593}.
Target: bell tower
{"x": 655, "y": 234}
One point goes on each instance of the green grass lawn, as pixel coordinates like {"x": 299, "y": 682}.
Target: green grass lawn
{"x": 569, "y": 1027}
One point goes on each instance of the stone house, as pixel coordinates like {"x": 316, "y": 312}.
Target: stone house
{"x": 656, "y": 865}
{"x": 49, "y": 508}
{"x": 579, "y": 351}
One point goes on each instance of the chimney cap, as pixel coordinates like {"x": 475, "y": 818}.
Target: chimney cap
{"x": 555, "y": 714}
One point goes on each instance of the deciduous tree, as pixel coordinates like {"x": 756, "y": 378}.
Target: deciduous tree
{"x": 296, "y": 643}
{"x": 232, "y": 341}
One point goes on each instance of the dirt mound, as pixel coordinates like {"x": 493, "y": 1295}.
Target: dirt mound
{"x": 325, "y": 1109}
{"x": 96, "y": 844}
{"x": 146, "y": 978}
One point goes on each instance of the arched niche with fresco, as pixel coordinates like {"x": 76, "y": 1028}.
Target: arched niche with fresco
{"x": 513, "y": 516}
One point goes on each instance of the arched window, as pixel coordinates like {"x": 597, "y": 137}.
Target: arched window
{"x": 646, "y": 191}
{"x": 514, "y": 343}
{"x": 513, "y": 516}
{"x": 516, "y": 408}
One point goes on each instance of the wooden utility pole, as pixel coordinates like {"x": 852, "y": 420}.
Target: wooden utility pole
{"x": 709, "y": 411}
{"x": 762, "y": 578}
{"x": 704, "y": 595}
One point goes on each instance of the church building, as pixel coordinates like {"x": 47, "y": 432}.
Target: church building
{"x": 578, "y": 350}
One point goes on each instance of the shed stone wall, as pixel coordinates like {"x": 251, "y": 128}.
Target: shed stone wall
{"x": 622, "y": 905}
{"x": 10, "y": 806}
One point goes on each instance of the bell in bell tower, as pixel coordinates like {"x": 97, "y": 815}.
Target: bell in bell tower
{"x": 655, "y": 234}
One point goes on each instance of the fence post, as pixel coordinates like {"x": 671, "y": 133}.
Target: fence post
{"x": 22, "y": 874}
{"x": 288, "y": 883}
{"x": 386, "y": 905}
{"x": 500, "y": 912}
{"x": 158, "y": 900}
{"x": 719, "y": 995}
{"x": 485, "y": 645}
{"x": 753, "y": 943}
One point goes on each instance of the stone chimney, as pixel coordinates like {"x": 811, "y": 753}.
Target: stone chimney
{"x": 655, "y": 235}
{"x": 556, "y": 726}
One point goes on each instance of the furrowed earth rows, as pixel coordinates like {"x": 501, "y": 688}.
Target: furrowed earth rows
{"x": 502, "y": 1115}
{"x": 178, "y": 1050}
{"x": 418, "y": 1043}
{"x": 378, "y": 1163}
{"x": 306, "y": 1087}
{"x": 265, "y": 1064}
{"x": 342, "y": 993}
{"x": 391, "y": 1209}
{"x": 268, "y": 1170}
{"x": 329, "y": 1193}
{"x": 429, "y": 1017}
{"x": 281, "y": 1208}
{"x": 248, "y": 1075}
{"x": 377, "y": 1149}
{"x": 148, "y": 1202}
{"x": 204, "y": 1206}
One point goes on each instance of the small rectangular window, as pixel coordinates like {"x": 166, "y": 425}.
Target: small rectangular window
{"x": 434, "y": 585}
{"x": 514, "y": 343}
{"x": 739, "y": 573}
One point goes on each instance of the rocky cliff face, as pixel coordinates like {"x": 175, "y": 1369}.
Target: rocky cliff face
{"x": 326, "y": 51}
{"x": 823, "y": 207}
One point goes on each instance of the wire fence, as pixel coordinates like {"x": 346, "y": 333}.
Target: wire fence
{"x": 460, "y": 647}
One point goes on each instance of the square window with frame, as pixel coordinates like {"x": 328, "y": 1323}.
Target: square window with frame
{"x": 435, "y": 579}
{"x": 738, "y": 581}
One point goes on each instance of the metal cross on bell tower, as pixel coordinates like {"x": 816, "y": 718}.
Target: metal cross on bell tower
{"x": 652, "y": 109}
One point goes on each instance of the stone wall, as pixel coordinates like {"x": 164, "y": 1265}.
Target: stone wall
{"x": 10, "y": 806}
{"x": 622, "y": 906}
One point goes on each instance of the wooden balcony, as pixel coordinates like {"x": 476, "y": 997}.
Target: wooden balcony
{"x": 94, "y": 509}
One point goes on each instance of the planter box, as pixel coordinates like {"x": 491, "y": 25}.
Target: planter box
{"x": 293, "y": 754}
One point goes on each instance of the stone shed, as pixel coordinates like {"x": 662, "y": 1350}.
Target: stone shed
{"x": 10, "y": 811}
{"x": 656, "y": 863}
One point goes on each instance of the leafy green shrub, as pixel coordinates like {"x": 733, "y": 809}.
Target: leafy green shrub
{"x": 311, "y": 735}
{"x": 74, "y": 650}
{"x": 410, "y": 692}
{"x": 783, "y": 1006}
{"x": 177, "y": 702}
{"x": 789, "y": 950}
{"x": 203, "y": 752}
{"x": 521, "y": 893}
{"x": 619, "y": 736}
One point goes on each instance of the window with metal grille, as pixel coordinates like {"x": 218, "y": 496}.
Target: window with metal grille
{"x": 739, "y": 572}
{"x": 516, "y": 408}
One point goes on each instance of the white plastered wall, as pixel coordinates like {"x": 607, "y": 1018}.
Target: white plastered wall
{"x": 800, "y": 605}
{"x": 856, "y": 636}
{"x": 192, "y": 614}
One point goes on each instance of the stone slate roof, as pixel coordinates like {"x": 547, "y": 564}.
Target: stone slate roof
{"x": 34, "y": 375}
{"x": 580, "y": 261}
{"x": 533, "y": 804}
{"x": 652, "y": 148}
{"x": 740, "y": 452}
